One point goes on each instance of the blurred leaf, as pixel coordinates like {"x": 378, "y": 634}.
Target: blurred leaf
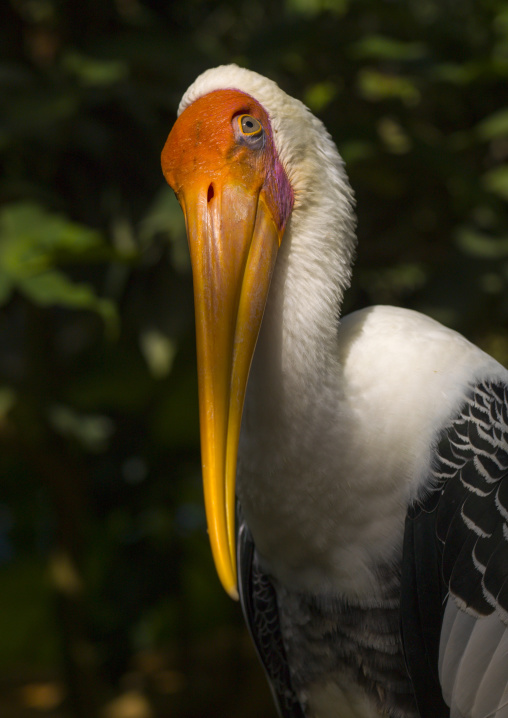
{"x": 495, "y": 125}
{"x": 481, "y": 245}
{"x": 91, "y": 431}
{"x": 375, "y": 86}
{"x": 94, "y": 72}
{"x": 54, "y": 288}
{"x": 356, "y": 150}
{"x": 497, "y": 181}
{"x": 7, "y": 400}
{"x": 379, "y": 47}
{"x": 313, "y": 7}
{"x": 32, "y": 240}
{"x": 393, "y": 136}
{"x": 320, "y": 95}
{"x": 31, "y": 237}
{"x": 456, "y": 74}
{"x": 159, "y": 352}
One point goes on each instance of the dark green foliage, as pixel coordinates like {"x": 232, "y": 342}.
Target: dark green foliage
{"x": 102, "y": 533}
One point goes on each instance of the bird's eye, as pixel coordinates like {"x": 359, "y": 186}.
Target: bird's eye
{"x": 249, "y": 126}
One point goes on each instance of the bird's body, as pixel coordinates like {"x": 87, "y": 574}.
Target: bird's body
{"x": 397, "y": 378}
{"x": 339, "y": 544}
{"x": 373, "y": 452}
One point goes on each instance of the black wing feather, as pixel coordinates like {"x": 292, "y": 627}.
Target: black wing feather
{"x": 456, "y": 538}
{"x": 421, "y": 613}
{"x": 259, "y": 605}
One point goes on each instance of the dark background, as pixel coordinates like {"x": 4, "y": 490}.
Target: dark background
{"x": 109, "y": 603}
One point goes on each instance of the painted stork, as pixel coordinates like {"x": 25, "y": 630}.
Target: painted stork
{"x": 368, "y": 475}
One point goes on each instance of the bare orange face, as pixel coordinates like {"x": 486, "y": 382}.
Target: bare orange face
{"x": 221, "y": 161}
{"x": 213, "y": 143}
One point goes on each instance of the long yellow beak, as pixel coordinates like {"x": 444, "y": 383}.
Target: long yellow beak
{"x": 236, "y": 199}
{"x": 233, "y": 243}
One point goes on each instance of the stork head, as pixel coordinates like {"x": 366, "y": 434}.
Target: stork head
{"x": 221, "y": 161}
{"x": 242, "y": 158}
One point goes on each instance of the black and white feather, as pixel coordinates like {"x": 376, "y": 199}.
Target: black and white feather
{"x": 463, "y": 525}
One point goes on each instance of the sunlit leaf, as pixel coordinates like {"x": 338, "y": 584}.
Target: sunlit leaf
{"x": 375, "y": 85}
{"x": 32, "y": 241}
{"x": 379, "y": 47}
{"x": 456, "y": 74}
{"x": 493, "y": 126}
{"x": 29, "y": 233}
{"x": 7, "y": 400}
{"x": 356, "y": 151}
{"x": 93, "y": 71}
{"x": 313, "y": 7}
{"x": 90, "y": 430}
{"x": 497, "y": 181}
{"x": 159, "y": 352}
{"x": 393, "y": 136}
{"x": 481, "y": 245}
{"x": 320, "y": 95}
{"x": 54, "y": 288}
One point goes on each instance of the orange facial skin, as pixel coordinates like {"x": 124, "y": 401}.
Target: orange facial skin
{"x": 202, "y": 147}
{"x": 236, "y": 200}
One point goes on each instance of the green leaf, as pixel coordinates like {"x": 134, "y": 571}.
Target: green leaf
{"x": 379, "y": 47}
{"x": 318, "y": 96}
{"x": 92, "y": 431}
{"x": 495, "y": 125}
{"x": 314, "y": 7}
{"x": 54, "y": 288}
{"x": 159, "y": 352}
{"x": 8, "y": 399}
{"x": 356, "y": 150}
{"x": 93, "y": 71}
{"x": 497, "y": 181}
{"x": 376, "y": 86}
{"x": 481, "y": 245}
{"x": 32, "y": 240}
{"x": 457, "y": 74}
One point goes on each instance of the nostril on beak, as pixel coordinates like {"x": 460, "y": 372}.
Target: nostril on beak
{"x": 210, "y": 194}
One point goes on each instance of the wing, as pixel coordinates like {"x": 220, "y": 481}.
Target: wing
{"x": 259, "y": 605}
{"x": 454, "y": 598}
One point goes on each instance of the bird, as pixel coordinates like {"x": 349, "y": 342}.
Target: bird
{"x": 354, "y": 467}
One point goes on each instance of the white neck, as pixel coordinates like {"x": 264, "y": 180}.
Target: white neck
{"x": 296, "y": 352}
{"x": 294, "y": 386}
